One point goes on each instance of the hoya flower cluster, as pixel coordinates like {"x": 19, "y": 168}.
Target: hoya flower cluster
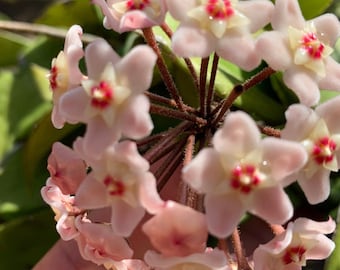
{"x": 120, "y": 183}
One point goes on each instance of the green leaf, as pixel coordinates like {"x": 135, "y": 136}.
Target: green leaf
{"x": 17, "y": 195}
{"x": 29, "y": 99}
{"x": 6, "y": 81}
{"x": 313, "y": 8}
{"x": 39, "y": 144}
{"x": 24, "y": 241}
{"x": 11, "y": 46}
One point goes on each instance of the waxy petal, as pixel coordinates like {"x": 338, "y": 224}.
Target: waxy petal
{"x": 98, "y": 54}
{"x": 246, "y": 56}
{"x": 223, "y": 213}
{"x": 135, "y": 120}
{"x": 91, "y": 194}
{"x": 284, "y": 157}
{"x": 304, "y": 84}
{"x": 317, "y": 187}
{"x": 179, "y": 9}
{"x": 329, "y": 111}
{"x": 328, "y": 27}
{"x": 287, "y": 13}
{"x": 125, "y": 218}
{"x": 205, "y": 172}
{"x": 135, "y": 70}
{"x": 258, "y": 19}
{"x": 332, "y": 79}
{"x": 238, "y": 136}
{"x": 197, "y": 42}
{"x": 272, "y": 204}
{"x": 301, "y": 120}
{"x": 277, "y": 41}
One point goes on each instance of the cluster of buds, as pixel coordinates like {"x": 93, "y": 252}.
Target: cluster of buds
{"x": 133, "y": 199}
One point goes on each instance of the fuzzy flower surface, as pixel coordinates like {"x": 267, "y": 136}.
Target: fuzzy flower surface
{"x": 319, "y": 132}
{"x": 129, "y": 15}
{"x": 222, "y": 26}
{"x": 169, "y": 235}
{"x": 67, "y": 169}
{"x": 303, "y": 239}
{"x": 120, "y": 179}
{"x": 111, "y": 100}
{"x": 305, "y": 48}
{"x": 243, "y": 172}
{"x": 65, "y": 73}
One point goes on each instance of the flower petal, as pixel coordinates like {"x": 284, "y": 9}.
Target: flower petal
{"x": 258, "y": 19}
{"x": 284, "y": 157}
{"x": 223, "y": 213}
{"x": 304, "y": 84}
{"x": 277, "y": 42}
{"x": 300, "y": 122}
{"x": 205, "y": 172}
{"x": 332, "y": 79}
{"x": 328, "y": 27}
{"x": 272, "y": 204}
{"x": 239, "y": 49}
{"x": 125, "y": 218}
{"x": 135, "y": 70}
{"x": 135, "y": 120}
{"x": 287, "y": 13}
{"x": 238, "y": 136}
{"x": 179, "y": 9}
{"x": 98, "y": 54}
{"x": 189, "y": 41}
{"x": 317, "y": 187}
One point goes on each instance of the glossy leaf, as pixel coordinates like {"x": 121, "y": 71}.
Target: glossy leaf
{"x": 313, "y": 8}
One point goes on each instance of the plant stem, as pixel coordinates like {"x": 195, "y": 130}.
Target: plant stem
{"x": 202, "y": 85}
{"x": 166, "y": 101}
{"x": 41, "y": 29}
{"x": 212, "y": 83}
{"x": 239, "y": 252}
{"x": 270, "y": 131}
{"x": 239, "y": 89}
{"x": 171, "y": 113}
{"x": 163, "y": 69}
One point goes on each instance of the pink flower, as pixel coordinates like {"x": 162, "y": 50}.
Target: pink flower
{"x": 243, "y": 173}
{"x": 128, "y": 15}
{"x": 111, "y": 101}
{"x": 120, "y": 179}
{"x": 65, "y": 73}
{"x": 319, "y": 132}
{"x": 177, "y": 230}
{"x": 66, "y": 168}
{"x": 98, "y": 244}
{"x": 224, "y": 26}
{"x": 304, "y": 50}
{"x": 212, "y": 259}
{"x": 64, "y": 208}
{"x": 304, "y": 239}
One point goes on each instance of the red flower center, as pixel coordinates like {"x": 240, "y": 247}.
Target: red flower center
{"x": 245, "y": 178}
{"x": 137, "y": 4}
{"x": 102, "y": 95}
{"x": 293, "y": 254}
{"x": 323, "y": 150}
{"x": 219, "y": 9}
{"x": 312, "y": 45}
{"x": 114, "y": 187}
{"x": 53, "y": 78}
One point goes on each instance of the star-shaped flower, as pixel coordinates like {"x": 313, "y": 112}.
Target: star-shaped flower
{"x": 224, "y": 26}
{"x": 128, "y": 15}
{"x": 304, "y": 239}
{"x": 65, "y": 73}
{"x": 111, "y": 100}
{"x": 304, "y": 50}
{"x": 243, "y": 173}
{"x": 120, "y": 179}
{"x": 319, "y": 132}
